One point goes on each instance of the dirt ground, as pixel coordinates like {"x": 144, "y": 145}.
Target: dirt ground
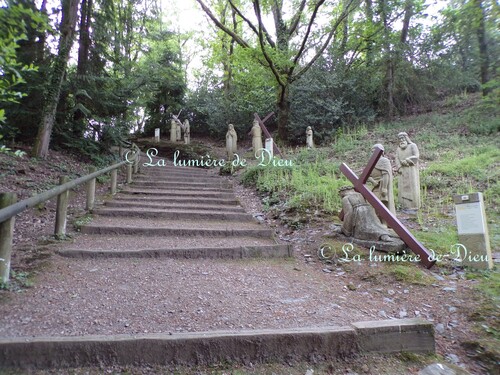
{"x": 375, "y": 289}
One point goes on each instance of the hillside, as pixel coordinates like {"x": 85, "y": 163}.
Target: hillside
{"x": 459, "y": 154}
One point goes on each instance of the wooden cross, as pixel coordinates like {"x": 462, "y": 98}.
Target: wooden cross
{"x": 382, "y": 210}
{"x": 266, "y": 132}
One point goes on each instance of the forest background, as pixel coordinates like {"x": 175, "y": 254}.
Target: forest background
{"x": 83, "y": 75}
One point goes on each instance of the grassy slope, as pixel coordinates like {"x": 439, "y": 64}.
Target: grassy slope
{"x": 459, "y": 154}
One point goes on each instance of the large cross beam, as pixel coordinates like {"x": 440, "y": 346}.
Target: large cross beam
{"x": 382, "y": 210}
{"x": 266, "y": 132}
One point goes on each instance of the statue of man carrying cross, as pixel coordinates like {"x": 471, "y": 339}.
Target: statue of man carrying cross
{"x": 383, "y": 211}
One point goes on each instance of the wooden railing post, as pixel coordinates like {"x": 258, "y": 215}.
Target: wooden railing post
{"x": 91, "y": 191}
{"x": 6, "y": 233}
{"x": 129, "y": 173}
{"x": 114, "y": 175}
{"x": 61, "y": 210}
{"x": 136, "y": 162}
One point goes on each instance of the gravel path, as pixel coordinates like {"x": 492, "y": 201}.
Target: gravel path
{"x": 117, "y": 296}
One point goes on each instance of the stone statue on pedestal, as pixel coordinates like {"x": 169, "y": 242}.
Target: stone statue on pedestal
{"x": 187, "y": 136}
{"x": 231, "y": 142}
{"x": 179, "y": 131}
{"x": 407, "y": 156}
{"x": 381, "y": 178}
{"x": 309, "y": 137}
{"x": 256, "y": 134}
{"x": 362, "y": 224}
{"x": 173, "y": 131}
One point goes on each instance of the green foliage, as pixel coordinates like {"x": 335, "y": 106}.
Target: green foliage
{"x": 410, "y": 274}
{"x": 14, "y": 20}
{"x": 311, "y": 183}
{"x": 327, "y": 99}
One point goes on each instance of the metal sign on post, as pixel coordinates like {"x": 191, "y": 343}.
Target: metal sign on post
{"x": 474, "y": 248}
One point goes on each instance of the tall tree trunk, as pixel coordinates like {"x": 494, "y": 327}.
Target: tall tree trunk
{"x": 406, "y": 21}
{"x": 283, "y": 111}
{"x": 389, "y": 62}
{"x": 483, "y": 46}
{"x": 84, "y": 38}
{"x": 369, "y": 42}
{"x": 68, "y": 23}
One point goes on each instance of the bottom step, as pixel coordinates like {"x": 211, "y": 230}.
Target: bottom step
{"x": 271, "y": 251}
{"x": 205, "y": 348}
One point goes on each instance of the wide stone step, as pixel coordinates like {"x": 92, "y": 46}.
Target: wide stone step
{"x": 182, "y": 187}
{"x": 173, "y": 214}
{"x": 179, "y": 199}
{"x": 210, "y": 348}
{"x": 102, "y": 246}
{"x": 181, "y": 178}
{"x": 174, "y": 193}
{"x": 174, "y": 171}
{"x": 122, "y": 203}
{"x": 235, "y": 252}
{"x": 175, "y": 183}
{"x": 118, "y": 243}
{"x": 174, "y": 231}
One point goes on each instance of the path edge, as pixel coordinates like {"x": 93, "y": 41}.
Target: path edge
{"x": 204, "y": 348}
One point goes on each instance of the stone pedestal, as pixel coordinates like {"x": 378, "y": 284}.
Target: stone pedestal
{"x": 269, "y": 147}
{"x": 157, "y": 135}
{"x": 472, "y": 231}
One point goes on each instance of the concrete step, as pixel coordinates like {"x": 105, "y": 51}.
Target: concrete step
{"x": 235, "y": 252}
{"x": 118, "y": 243}
{"x": 174, "y": 171}
{"x": 130, "y": 203}
{"x": 178, "y": 200}
{"x": 183, "y": 178}
{"x": 181, "y": 187}
{"x": 160, "y": 230}
{"x": 105, "y": 246}
{"x": 178, "y": 214}
{"x": 321, "y": 343}
{"x": 174, "y": 193}
{"x": 180, "y": 183}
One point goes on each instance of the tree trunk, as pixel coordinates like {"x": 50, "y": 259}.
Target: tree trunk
{"x": 389, "y": 67}
{"x": 369, "y": 42}
{"x": 283, "y": 111}
{"x": 483, "y": 46}
{"x": 68, "y": 23}
{"x": 84, "y": 41}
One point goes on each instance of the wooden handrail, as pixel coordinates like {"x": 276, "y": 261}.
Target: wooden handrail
{"x": 12, "y": 210}
{"x": 7, "y": 214}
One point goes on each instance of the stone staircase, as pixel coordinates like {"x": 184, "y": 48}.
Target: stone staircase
{"x": 175, "y": 212}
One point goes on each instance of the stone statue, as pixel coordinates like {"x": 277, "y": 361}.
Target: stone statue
{"x": 381, "y": 178}
{"x": 256, "y": 134}
{"x": 309, "y": 137}
{"x": 231, "y": 142}
{"x": 179, "y": 130}
{"x": 360, "y": 219}
{"x": 187, "y": 136}
{"x": 407, "y": 156}
{"x": 363, "y": 226}
{"x": 173, "y": 131}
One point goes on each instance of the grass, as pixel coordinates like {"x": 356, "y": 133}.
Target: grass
{"x": 410, "y": 274}
{"x": 312, "y": 182}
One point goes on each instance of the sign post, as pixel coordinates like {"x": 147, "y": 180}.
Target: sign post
{"x": 474, "y": 247}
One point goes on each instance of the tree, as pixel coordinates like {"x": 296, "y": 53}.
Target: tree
{"x": 296, "y": 46}
{"x": 67, "y": 28}
{"x": 15, "y": 20}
